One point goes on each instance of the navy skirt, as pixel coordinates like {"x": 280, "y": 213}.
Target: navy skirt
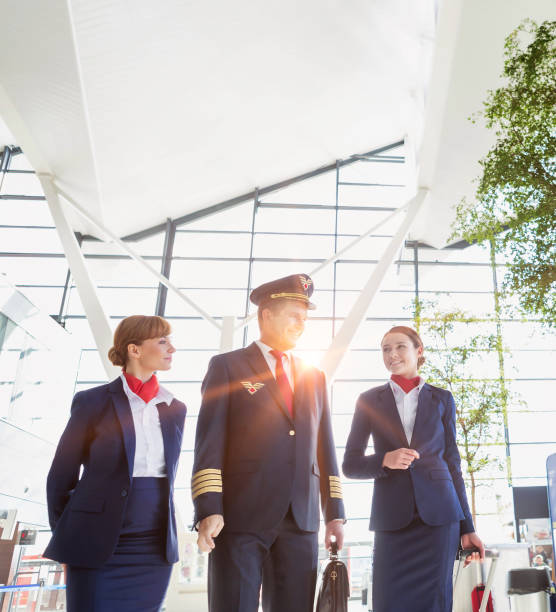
{"x": 136, "y": 576}
{"x": 413, "y": 568}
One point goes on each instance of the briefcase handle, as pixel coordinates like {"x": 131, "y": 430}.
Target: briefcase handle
{"x": 333, "y": 550}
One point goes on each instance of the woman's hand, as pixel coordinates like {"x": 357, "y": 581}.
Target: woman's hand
{"x": 472, "y": 540}
{"x": 400, "y": 459}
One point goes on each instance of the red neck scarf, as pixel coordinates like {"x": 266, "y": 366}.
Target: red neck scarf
{"x": 406, "y": 383}
{"x": 145, "y": 390}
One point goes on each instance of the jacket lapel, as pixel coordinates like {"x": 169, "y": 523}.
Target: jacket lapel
{"x": 260, "y": 368}
{"x": 168, "y": 429}
{"x": 123, "y": 412}
{"x": 392, "y": 415}
{"x": 424, "y": 404}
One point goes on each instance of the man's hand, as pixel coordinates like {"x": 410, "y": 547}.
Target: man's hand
{"x": 400, "y": 459}
{"x": 334, "y": 527}
{"x": 472, "y": 540}
{"x": 209, "y": 528}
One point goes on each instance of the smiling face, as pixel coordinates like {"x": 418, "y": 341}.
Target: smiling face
{"x": 282, "y": 325}
{"x": 151, "y": 355}
{"x": 400, "y": 355}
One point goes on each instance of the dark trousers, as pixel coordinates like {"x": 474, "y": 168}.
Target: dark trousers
{"x": 284, "y": 560}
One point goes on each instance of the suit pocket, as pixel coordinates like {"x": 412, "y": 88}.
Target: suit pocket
{"x": 316, "y": 470}
{"x": 87, "y": 504}
{"x": 440, "y": 474}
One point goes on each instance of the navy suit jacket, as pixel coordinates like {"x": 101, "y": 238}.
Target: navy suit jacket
{"x": 86, "y": 513}
{"x": 433, "y": 484}
{"x": 252, "y": 460}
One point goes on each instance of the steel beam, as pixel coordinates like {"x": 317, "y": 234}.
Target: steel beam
{"x": 96, "y": 316}
{"x": 165, "y": 266}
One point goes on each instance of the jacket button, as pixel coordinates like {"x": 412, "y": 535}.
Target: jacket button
{"x": 292, "y": 432}
{"x": 124, "y": 492}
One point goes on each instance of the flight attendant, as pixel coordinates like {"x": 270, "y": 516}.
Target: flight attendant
{"x": 419, "y": 510}
{"x": 113, "y": 524}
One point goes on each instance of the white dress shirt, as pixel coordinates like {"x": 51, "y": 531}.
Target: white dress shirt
{"x": 149, "y": 445}
{"x": 406, "y": 404}
{"x": 271, "y": 361}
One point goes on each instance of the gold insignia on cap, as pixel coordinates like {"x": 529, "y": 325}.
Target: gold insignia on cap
{"x": 206, "y": 481}
{"x": 305, "y": 282}
{"x": 252, "y": 388}
{"x": 335, "y": 487}
{"x": 293, "y": 296}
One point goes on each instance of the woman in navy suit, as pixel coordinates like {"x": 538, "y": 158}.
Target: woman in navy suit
{"x": 114, "y": 525}
{"x": 419, "y": 510}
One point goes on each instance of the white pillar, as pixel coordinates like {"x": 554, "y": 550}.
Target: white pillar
{"x": 344, "y": 337}
{"x": 87, "y": 290}
{"x": 227, "y": 334}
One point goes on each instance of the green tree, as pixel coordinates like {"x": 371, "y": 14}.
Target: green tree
{"x": 455, "y": 351}
{"x": 516, "y": 193}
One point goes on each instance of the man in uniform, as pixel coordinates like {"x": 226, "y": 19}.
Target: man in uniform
{"x": 264, "y": 453}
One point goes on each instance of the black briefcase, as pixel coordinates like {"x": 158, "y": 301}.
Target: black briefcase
{"x": 334, "y": 588}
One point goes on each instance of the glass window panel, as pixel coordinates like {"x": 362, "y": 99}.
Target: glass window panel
{"x": 290, "y": 246}
{"x": 118, "y": 272}
{"x": 209, "y": 273}
{"x": 371, "y": 247}
{"x": 30, "y": 240}
{"x": 476, "y": 304}
{"x": 320, "y": 189}
{"x": 35, "y": 270}
{"x": 539, "y": 395}
{"x": 21, "y": 212}
{"x": 530, "y": 459}
{"x": 216, "y": 302}
{"x": 310, "y": 221}
{"x": 196, "y": 333}
{"x": 384, "y": 304}
{"x": 358, "y": 195}
{"x": 47, "y": 299}
{"x": 238, "y": 218}
{"x": 206, "y": 244}
{"x": 526, "y": 334}
{"x": 355, "y": 222}
{"x": 454, "y": 278}
{"x": 17, "y": 183}
{"x": 531, "y": 426}
{"x": 188, "y": 365}
{"x": 264, "y": 271}
{"x": 369, "y": 172}
{"x": 530, "y": 364}
{"x": 151, "y": 246}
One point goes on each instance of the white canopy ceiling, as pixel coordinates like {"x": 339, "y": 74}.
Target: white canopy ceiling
{"x": 144, "y": 110}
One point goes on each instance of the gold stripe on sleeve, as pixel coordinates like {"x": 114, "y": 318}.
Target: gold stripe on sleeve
{"x": 201, "y": 479}
{"x": 205, "y": 472}
{"x": 208, "y": 489}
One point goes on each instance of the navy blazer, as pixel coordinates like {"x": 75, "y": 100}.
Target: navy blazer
{"x": 433, "y": 484}
{"x": 86, "y": 512}
{"x": 252, "y": 460}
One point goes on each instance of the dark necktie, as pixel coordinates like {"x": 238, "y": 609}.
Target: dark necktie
{"x": 282, "y": 381}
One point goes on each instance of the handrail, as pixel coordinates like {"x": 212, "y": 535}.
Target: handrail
{"x": 13, "y": 588}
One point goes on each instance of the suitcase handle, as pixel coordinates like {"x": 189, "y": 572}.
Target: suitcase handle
{"x": 492, "y": 554}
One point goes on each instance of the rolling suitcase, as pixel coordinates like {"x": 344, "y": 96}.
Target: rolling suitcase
{"x": 334, "y": 589}
{"x": 479, "y": 597}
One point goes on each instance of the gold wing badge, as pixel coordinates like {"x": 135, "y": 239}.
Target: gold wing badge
{"x": 252, "y": 388}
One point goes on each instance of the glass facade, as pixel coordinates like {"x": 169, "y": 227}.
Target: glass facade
{"x": 218, "y": 259}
